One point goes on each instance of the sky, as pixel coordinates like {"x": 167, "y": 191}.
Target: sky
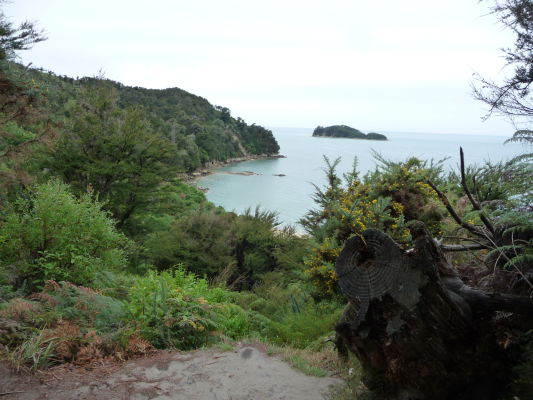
{"x": 387, "y": 65}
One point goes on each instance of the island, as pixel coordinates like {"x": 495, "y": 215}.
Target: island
{"x": 344, "y": 131}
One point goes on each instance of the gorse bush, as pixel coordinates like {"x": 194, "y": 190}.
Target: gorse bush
{"x": 387, "y": 199}
{"x": 405, "y": 183}
{"x": 51, "y": 234}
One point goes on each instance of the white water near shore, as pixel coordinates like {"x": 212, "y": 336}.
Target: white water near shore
{"x": 291, "y": 193}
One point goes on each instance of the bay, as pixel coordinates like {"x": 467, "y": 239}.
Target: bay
{"x": 291, "y": 194}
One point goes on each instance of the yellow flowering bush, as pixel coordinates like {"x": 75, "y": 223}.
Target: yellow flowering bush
{"x": 384, "y": 199}
{"x": 320, "y": 267}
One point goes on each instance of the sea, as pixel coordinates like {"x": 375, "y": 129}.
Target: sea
{"x": 286, "y": 185}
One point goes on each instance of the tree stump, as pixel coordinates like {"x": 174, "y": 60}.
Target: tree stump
{"x": 418, "y": 331}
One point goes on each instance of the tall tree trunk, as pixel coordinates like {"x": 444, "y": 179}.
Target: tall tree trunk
{"x": 419, "y": 332}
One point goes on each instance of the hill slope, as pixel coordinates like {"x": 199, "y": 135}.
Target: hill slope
{"x": 200, "y": 131}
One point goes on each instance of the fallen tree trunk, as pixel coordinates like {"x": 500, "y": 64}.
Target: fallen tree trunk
{"x": 418, "y": 330}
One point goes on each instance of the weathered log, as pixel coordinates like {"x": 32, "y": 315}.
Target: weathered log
{"x": 417, "y": 329}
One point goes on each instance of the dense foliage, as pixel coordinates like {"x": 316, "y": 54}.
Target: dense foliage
{"x": 115, "y": 152}
{"x": 344, "y": 131}
{"x": 50, "y": 234}
{"x": 199, "y": 132}
{"x": 93, "y": 209}
{"x": 189, "y": 132}
{"x": 245, "y": 246}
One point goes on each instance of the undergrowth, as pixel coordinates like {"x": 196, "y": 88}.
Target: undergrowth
{"x": 170, "y": 309}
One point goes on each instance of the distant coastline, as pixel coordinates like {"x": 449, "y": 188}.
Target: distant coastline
{"x": 344, "y": 131}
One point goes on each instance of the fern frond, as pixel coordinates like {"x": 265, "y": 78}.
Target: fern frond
{"x": 519, "y": 261}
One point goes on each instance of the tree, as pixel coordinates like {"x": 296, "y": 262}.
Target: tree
{"x": 22, "y": 123}
{"x": 512, "y": 97}
{"x": 215, "y": 242}
{"x": 114, "y": 152}
{"x": 13, "y": 39}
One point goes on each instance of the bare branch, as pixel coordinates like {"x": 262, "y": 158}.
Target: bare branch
{"x": 469, "y": 227}
{"x": 475, "y": 204}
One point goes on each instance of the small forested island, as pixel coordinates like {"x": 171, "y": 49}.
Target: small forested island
{"x": 344, "y": 131}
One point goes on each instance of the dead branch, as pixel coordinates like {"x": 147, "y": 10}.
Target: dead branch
{"x": 475, "y": 204}
{"x": 469, "y": 227}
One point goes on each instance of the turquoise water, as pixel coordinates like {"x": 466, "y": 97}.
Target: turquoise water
{"x": 291, "y": 195}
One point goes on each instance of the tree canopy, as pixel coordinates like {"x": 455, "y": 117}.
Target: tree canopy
{"x": 114, "y": 152}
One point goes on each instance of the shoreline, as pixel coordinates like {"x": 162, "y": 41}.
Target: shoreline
{"x": 210, "y": 167}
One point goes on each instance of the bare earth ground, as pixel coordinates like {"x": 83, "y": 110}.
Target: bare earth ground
{"x": 247, "y": 372}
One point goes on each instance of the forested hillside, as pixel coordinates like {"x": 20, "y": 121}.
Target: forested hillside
{"x": 199, "y": 131}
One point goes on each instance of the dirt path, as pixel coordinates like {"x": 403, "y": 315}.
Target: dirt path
{"x": 245, "y": 373}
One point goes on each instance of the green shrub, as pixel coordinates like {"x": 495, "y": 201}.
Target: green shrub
{"x": 287, "y": 315}
{"x": 200, "y": 241}
{"x": 310, "y": 324}
{"x": 208, "y": 242}
{"x": 172, "y": 199}
{"x": 177, "y": 309}
{"x": 174, "y": 308}
{"x": 48, "y": 233}
{"x": 233, "y": 321}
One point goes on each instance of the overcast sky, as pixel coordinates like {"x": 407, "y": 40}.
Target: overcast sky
{"x": 383, "y": 65}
